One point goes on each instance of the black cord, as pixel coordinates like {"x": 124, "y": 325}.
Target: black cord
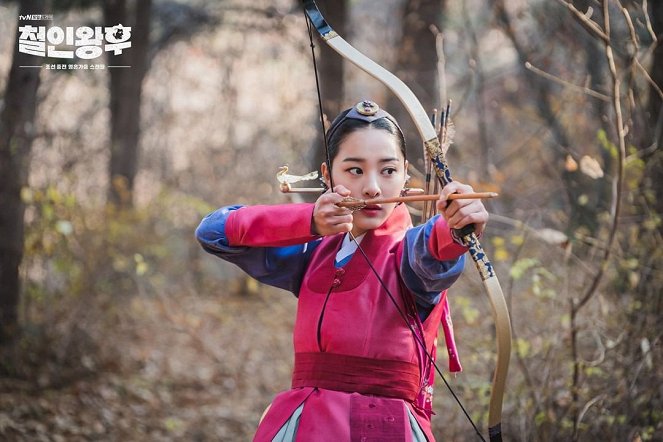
{"x": 322, "y": 116}
{"x": 322, "y": 315}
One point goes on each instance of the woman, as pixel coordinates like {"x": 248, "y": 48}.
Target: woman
{"x": 361, "y": 372}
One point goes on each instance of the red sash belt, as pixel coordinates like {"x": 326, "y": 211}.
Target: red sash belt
{"x": 355, "y": 374}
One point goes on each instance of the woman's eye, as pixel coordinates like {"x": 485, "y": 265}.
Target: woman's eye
{"x": 389, "y": 171}
{"x": 355, "y": 171}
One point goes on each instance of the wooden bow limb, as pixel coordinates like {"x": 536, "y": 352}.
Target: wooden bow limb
{"x": 287, "y": 188}
{"x": 285, "y": 180}
{"x": 358, "y": 204}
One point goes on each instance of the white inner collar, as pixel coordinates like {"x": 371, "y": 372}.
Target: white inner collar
{"x": 348, "y": 247}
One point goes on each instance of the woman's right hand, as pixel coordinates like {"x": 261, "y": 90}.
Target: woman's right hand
{"x": 328, "y": 218}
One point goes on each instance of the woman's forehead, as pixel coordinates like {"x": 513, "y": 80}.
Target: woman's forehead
{"x": 370, "y": 143}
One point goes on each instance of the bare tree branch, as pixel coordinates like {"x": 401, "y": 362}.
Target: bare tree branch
{"x": 581, "y": 89}
{"x": 586, "y": 23}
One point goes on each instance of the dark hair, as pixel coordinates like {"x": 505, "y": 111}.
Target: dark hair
{"x": 341, "y": 127}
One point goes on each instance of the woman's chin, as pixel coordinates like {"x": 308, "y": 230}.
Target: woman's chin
{"x": 370, "y": 221}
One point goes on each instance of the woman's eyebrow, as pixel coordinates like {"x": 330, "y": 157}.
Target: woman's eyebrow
{"x": 363, "y": 160}
{"x": 354, "y": 159}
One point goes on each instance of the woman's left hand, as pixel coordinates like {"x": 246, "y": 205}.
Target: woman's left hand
{"x": 462, "y": 212}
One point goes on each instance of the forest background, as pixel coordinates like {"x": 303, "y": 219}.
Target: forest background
{"x": 114, "y": 325}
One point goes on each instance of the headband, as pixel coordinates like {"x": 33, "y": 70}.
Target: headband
{"x": 367, "y": 111}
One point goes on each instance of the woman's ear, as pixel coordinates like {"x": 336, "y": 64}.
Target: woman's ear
{"x": 325, "y": 174}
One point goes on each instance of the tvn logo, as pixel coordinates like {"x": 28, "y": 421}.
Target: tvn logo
{"x": 33, "y": 17}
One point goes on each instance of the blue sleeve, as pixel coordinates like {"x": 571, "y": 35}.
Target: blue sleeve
{"x": 424, "y": 275}
{"x": 281, "y": 267}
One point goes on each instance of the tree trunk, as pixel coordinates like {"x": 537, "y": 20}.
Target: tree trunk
{"x": 575, "y": 182}
{"x": 16, "y": 135}
{"x": 655, "y": 110}
{"x": 126, "y": 85}
{"x": 597, "y": 69}
{"x": 479, "y": 82}
{"x": 649, "y": 287}
{"x": 416, "y": 65}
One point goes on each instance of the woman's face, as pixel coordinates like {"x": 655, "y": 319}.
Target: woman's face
{"x": 370, "y": 164}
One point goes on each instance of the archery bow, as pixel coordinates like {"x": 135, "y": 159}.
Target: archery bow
{"x": 469, "y": 238}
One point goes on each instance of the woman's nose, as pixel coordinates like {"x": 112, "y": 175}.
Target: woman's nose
{"x": 371, "y": 186}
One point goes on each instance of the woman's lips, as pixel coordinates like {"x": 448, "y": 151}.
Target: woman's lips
{"x": 372, "y": 210}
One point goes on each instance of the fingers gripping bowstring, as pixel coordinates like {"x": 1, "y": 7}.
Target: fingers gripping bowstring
{"x": 417, "y": 338}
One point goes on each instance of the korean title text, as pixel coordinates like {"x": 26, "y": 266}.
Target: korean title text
{"x": 88, "y": 42}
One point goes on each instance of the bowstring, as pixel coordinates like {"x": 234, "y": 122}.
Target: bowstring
{"x": 416, "y": 337}
{"x": 322, "y": 116}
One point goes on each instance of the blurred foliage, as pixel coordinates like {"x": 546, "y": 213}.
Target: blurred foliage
{"x": 80, "y": 261}
{"x": 107, "y": 251}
